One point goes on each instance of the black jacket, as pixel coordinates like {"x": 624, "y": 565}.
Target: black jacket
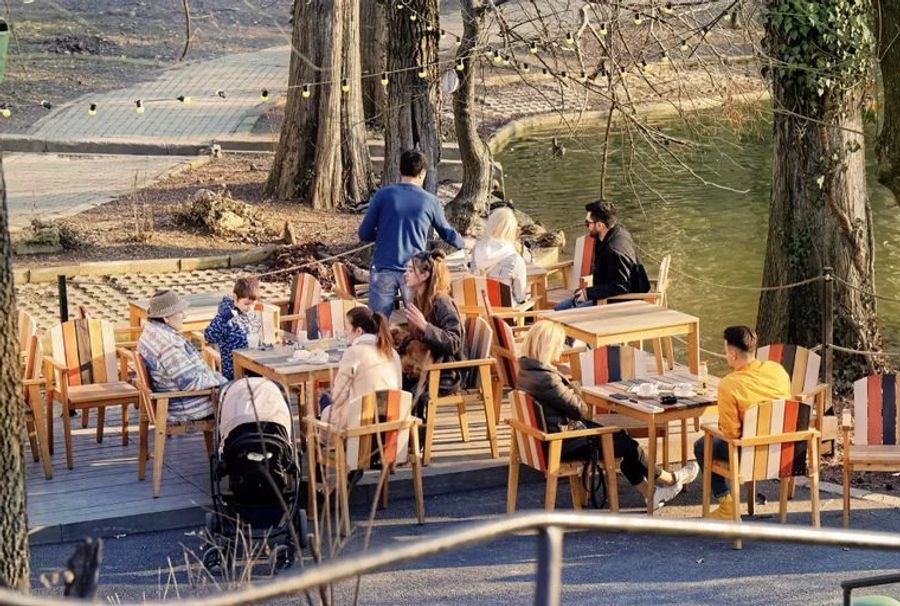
{"x": 553, "y": 392}
{"x": 613, "y": 265}
{"x": 444, "y": 337}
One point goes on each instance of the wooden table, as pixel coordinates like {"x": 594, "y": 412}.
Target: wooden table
{"x": 615, "y": 397}
{"x": 628, "y": 322}
{"x": 537, "y": 284}
{"x": 202, "y": 310}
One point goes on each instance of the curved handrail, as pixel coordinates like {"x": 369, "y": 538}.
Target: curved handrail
{"x": 481, "y": 532}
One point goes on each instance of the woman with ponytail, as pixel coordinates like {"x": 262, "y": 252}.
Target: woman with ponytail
{"x": 369, "y": 364}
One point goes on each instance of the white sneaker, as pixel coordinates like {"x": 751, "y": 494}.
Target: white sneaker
{"x": 664, "y": 494}
{"x": 687, "y": 474}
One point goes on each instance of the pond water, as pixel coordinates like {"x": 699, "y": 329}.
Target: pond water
{"x": 711, "y": 233}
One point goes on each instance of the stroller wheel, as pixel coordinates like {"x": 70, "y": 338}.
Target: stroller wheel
{"x": 212, "y": 559}
{"x": 301, "y": 525}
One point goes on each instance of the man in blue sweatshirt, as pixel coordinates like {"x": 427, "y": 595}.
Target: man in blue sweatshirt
{"x": 398, "y": 221}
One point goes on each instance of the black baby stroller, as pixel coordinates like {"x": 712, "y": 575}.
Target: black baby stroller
{"x": 255, "y": 476}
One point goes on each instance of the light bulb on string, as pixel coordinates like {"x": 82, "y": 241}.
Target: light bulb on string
{"x": 384, "y": 79}
{"x": 46, "y": 104}
{"x": 684, "y": 45}
{"x": 460, "y": 66}
{"x": 603, "y": 30}
{"x": 665, "y": 57}
{"x": 399, "y": 6}
{"x": 5, "y": 111}
{"x": 422, "y": 73}
{"x": 667, "y": 9}
{"x": 458, "y": 41}
{"x": 183, "y": 99}
{"x": 563, "y": 74}
{"x": 497, "y": 57}
{"x": 429, "y": 28}
{"x": 443, "y": 34}
{"x": 638, "y": 19}
{"x": 92, "y": 109}
{"x": 505, "y": 59}
{"x": 413, "y": 17}
{"x": 545, "y": 71}
{"x": 583, "y": 77}
{"x": 534, "y": 49}
{"x": 264, "y": 95}
{"x": 305, "y": 93}
{"x": 643, "y": 64}
{"x": 569, "y": 39}
{"x": 345, "y": 86}
{"x": 139, "y": 106}
{"x": 727, "y": 16}
{"x": 526, "y": 67}
{"x": 220, "y": 93}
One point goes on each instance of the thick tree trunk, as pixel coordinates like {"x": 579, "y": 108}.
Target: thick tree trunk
{"x": 320, "y": 158}
{"x": 14, "y": 556}
{"x": 413, "y": 108}
{"x": 819, "y": 217}
{"x": 373, "y": 32}
{"x": 471, "y": 202}
{"x": 888, "y": 147}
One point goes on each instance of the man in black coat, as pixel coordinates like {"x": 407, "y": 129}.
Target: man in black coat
{"x": 615, "y": 265}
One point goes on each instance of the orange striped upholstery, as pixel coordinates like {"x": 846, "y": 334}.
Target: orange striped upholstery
{"x": 326, "y": 319}
{"x": 305, "y": 292}
{"x": 609, "y": 364}
{"x": 582, "y": 262}
{"x": 343, "y": 284}
{"x": 527, "y": 412}
{"x": 774, "y": 461}
{"x": 87, "y": 348}
{"x": 379, "y": 406}
{"x": 506, "y": 343}
{"x": 875, "y": 410}
{"x": 801, "y": 364}
{"x": 27, "y": 329}
{"x": 479, "y": 338}
{"x": 467, "y": 292}
{"x": 269, "y": 315}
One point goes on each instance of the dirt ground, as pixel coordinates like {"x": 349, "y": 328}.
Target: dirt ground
{"x": 63, "y": 49}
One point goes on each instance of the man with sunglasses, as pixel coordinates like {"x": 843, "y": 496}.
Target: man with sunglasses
{"x": 616, "y": 269}
{"x": 398, "y": 221}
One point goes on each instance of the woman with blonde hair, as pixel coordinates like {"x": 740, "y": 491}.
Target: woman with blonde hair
{"x": 563, "y": 408}
{"x": 495, "y": 256}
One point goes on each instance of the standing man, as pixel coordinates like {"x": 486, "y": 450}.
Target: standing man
{"x": 398, "y": 221}
{"x": 615, "y": 267}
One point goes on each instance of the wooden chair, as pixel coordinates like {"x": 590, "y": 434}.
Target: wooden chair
{"x": 35, "y": 423}
{"x": 802, "y": 366}
{"x": 874, "y": 446}
{"x": 82, "y": 372}
{"x": 154, "y": 411}
{"x": 343, "y": 283}
{"x": 777, "y": 443}
{"x": 305, "y": 293}
{"x": 382, "y": 422}
{"x": 533, "y": 446}
{"x": 27, "y": 329}
{"x": 327, "y": 318}
{"x": 505, "y": 351}
{"x": 574, "y": 271}
{"x": 477, "y": 385}
{"x": 473, "y": 294}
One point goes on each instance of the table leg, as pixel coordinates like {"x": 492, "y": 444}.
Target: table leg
{"x": 694, "y": 347}
{"x": 238, "y": 368}
{"x": 134, "y": 316}
{"x": 684, "y": 442}
{"x": 651, "y": 460}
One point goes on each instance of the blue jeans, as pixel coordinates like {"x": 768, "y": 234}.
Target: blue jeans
{"x": 571, "y": 304}
{"x": 383, "y": 287}
{"x": 720, "y": 453}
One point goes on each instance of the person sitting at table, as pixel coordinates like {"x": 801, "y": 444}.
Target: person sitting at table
{"x": 495, "y": 256}
{"x": 615, "y": 268}
{"x": 434, "y": 320}
{"x": 564, "y": 409}
{"x": 234, "y": 327}
{"x": 751, "y": 382}
{"x": 369, "y": 364}
{"x": 173, "y": 363}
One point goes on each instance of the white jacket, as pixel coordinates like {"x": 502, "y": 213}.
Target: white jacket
{"x": 362, "y": 370}
{"x": 499, "y": 259}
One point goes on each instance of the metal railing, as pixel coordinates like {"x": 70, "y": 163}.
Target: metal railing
{"x": 550, "y": 528}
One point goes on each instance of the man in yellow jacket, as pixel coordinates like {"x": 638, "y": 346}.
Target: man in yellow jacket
{"x": 751, "y": 382}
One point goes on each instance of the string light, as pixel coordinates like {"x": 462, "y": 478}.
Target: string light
{"x": 505, "y": 59}
{"x": 306, "y": 92}
{"x": 563, "y": 74}
{"x": 533, "y": 50}
{"x": 460, "y": 66}
{"x": 637, "y": 19}
{"x": 413, "y": 17}
{"x": 497, "y": 57}
{"x": 665, "y": 57}
{"x": 667, "y": 9}
{"x": 384, "y": 79}
{"x": 545, "y": 71}
{"x": 92, "y": 109}
{"x": 399, "y": 6}
{"x": 443, "y": 34}
{"x": 525, "y": 67}
{"x": 264, "y": 94}
{"x": 345, "y": 86}
{"x": 603, "y": 30}
{"x": 139, "y": 106}
{"x": 569, "y": 39}
{"x": 643, "y": 64}
{"x": 684, "y": 45}
{"x": 46, "y": 104}
{"x": 187, "y": 100}
{"x": 4, "y": 110}
{"x": 220, "y": 93}
{"x": 429, "y": 28}
{"x": 422, "y": 73}
{"x": 583, "y": 78}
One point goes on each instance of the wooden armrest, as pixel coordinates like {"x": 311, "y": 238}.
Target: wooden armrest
{"x": 130, "y": 331}
{"x": 291, "y": 317}
{"x": 573, "y": 351}
{"x": 527, "y": 429}
{"x": 530, "y": 313}
{"x": 649, "y": 297}
{"x": 49, "y": 361}
{"x": 714, "y": 430}
{"x": 820, "y": 389}
{"x": 360, "y": 288}
{"x": 168, "y": 395}
{"x": 29, "y": 382}
{"x": 558, "y": 265}
{"x": 313, "y": 422}
{"x": 781, "y": 438}
{"x": 525, "y": 305}
{"x": 279, "y": 301}
{"x": 460, "y": 365}
{"x": 581, "y": 433}
{"x": 846, "y": 420}
{"x": 124, "y": 352}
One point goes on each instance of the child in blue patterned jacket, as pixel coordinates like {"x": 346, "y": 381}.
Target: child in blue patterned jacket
{"x": 234, "y": 326}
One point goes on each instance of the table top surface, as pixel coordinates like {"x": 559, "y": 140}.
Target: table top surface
{"x": 618, "y": 392}
{"x": 279, "y": 358}
{"x": 632, "y": 316}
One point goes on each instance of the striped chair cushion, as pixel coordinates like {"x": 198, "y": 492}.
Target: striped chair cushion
{"x": 305, "y": 292}
{"x": 526, "y": 411}
{"x": 327, "y": 318}
{"x": 875, "y": 410}
{"x": 87, "y": 348}
{"x": 342, "y": 282}
{"x": 479, "y": 338}
{"x": 583, "y": 260}
{"x": 467, "y": 291}
{"x": 801, "y": 364}
{"x": 609, "y": 364}
{"x": 378, "y": 406}
{"x": 505, "y": 340}
{"x": 776, "y": 460}
{"x": 269, "y": 316}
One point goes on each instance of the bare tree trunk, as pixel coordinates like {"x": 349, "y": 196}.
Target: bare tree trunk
{"x": 888, "y": 147}
{"x": 373, "y": 32}
{"x": 14, "y": 554}
{"x": 819, "y": 215}
{"x": 413, "y": 108}
{"x": 471, "y": 202}
{"x": 319, "y": 158}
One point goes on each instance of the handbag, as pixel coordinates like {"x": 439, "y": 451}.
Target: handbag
{"x": 592, "y": 478}
{"x": 640, "y": 281}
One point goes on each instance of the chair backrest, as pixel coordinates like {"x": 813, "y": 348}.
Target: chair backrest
{"x": 770, "y": 462}
{"x": 32, "y": 368}
{"x": 87, "y": 348}
{"x": 801, "y": 364}
{"x": 662, "y": 280}
{"x": 609, "y": 364}
{"x": 505, "y": 351}
{"x": 343, "y": 283}
{"x": 269, "y": 315}
{"x": 479, "y": 340}
{"x": 582, "y": 262}
{"x": 305, "y": 292}
{"x": 141, "y": 375}
{"x": 875, "y": 410}
{"x": 27, "y": 329}
{"x": 378, "y": 406}
{"x": 327, "y": 318}
{"x": 472, "y": 292}
{"x": 527, "y": 412}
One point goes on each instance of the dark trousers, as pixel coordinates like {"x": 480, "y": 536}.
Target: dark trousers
{"x": 634, "y": 459}
{"x": 718, "y": 485}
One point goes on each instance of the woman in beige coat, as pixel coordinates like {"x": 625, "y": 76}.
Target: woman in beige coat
{"x": 369, "y": 364}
